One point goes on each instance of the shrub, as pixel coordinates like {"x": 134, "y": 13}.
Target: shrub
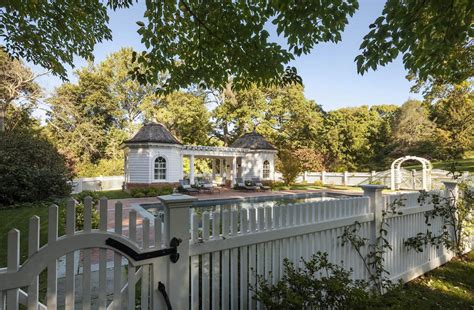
{"x": 94, "y": 195}
{"x": 80, "y": 217}
{"x": 140, "y": 192}
{"x": 30, "y": 168}
{"x": 318, "y": 285}
{"x": 289, "y": 166}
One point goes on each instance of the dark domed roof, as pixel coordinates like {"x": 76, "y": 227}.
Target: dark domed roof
{"x": 254, "y": 141}
{"x": 153, "y": 132}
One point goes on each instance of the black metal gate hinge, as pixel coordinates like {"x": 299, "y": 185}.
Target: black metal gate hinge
{"x": 172, "y": 251}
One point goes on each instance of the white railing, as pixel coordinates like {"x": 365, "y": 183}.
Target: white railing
{"x": 221, "y": 257}
{"x": 228, "y": 251}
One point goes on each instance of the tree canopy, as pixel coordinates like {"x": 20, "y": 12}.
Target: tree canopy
{"x": 208, "y": 42}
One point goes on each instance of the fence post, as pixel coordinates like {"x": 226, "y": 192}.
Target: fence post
{"x": 372, "y": 175}
{"x": 345, "y": 178}
{"x": 374, "y": 192}
{"x": 177, "y": 225}
{"x": 323, "y": 177}
{"x": 451, "y": 189}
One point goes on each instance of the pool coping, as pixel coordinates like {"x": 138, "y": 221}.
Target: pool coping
{"x": 139, "y": 206}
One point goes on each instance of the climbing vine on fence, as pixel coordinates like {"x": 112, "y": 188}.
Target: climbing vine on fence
{"x": 373, "y": 260}
{"x": 456, "y": 213}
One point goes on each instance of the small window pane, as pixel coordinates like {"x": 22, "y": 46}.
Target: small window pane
{"x": 160, "y": 168}
{"x": 266, "y": 169}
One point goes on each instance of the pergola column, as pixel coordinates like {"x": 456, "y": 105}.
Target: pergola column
{"x": 213, "y": 169}
{"x": 234, "y": 170}
{"x": 191, "y": 169}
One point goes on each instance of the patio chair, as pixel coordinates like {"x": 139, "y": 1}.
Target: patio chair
{"x": 243, "y": 186}
{"x": 259, "y": 184}
{"x": 208, "y": 186}
{"x": 185, "y": 187}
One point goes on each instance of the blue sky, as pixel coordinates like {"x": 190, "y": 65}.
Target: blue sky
{"x": 329, "y": 72}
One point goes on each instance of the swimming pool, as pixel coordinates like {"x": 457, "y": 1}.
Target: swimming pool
{"x": 245, "y": 203}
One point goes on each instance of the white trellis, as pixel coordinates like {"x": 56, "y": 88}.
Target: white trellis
{"x": 396, "y": 175}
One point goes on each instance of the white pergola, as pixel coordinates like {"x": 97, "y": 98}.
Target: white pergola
{"x": 215, "y": 153}
{"x": 396, "y": 176}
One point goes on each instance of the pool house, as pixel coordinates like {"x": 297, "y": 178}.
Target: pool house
{"x": 154, "y": 157}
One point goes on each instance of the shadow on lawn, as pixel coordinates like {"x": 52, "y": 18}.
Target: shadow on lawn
{"x": 448, "y": 287}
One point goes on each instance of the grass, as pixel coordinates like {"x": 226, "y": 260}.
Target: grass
{"x": 19, "y": 218}
{"x": 117, "y": 194}
{"x": 466, "y": 164}
{"x": 448, "y": 287}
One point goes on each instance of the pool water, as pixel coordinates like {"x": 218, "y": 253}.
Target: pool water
{"x": 245, "y": 203}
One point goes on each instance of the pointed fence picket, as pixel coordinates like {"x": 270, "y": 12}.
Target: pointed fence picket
{"x": 83, "y": 242}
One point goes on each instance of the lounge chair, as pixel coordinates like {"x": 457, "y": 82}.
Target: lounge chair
{"x": 259, "y": 184}
{"x": 206, "y": 185}
{"x": 185, "y": 187}
{"x": 243, "y": 186}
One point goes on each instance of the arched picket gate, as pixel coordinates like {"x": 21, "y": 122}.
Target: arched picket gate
{"x": 147, "y": 258}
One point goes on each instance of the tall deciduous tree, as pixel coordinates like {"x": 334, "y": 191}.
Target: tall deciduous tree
{"x": 184, "y": 114}
{"x": 283, "y": 115}
{"x": 82, "y": 115}
{"x": 413, "y": 131}
{"x": 453, "y": 115}
{"x": 353, "y": 137}
{"x": 434, "y": 37}
{"x": 19, "y": 92}
{"x": 209, "y": 41}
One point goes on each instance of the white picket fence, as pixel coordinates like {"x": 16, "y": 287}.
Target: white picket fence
{"x": 376, "y": 177}
{"x": 224, "y": 253}
{"x": 101, "y": 183}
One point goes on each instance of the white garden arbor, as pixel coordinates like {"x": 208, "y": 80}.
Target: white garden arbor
{"x": 396, "y": 173}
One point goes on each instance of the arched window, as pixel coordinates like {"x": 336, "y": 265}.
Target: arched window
{"x": 266, "y": 169}
{"x": 160, "y": 168}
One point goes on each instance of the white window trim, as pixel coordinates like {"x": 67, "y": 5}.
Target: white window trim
{"x": 154, "y": 180}
{"x": 269, "y": 169}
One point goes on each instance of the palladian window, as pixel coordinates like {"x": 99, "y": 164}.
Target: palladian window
{"x": 160, "y": 168}
{"x": 266, "y": 169}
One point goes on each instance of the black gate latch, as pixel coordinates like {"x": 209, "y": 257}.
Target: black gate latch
{"x": 172, "y": 251}
{"x": 162, "y": 289}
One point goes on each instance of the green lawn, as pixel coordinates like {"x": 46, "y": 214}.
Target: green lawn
{"x": 117, "y": 194}
{"x": 466, "y": 164}
{"x": 448, "y": 287}
{"x": 18, "y": 218}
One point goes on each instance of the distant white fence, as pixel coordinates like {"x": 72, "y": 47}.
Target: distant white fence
{"x": 97, "y": 183}
{"x": 375, "y": 177}
{"x": 221, "y": 255}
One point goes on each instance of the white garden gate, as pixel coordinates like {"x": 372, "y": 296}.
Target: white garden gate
{"x": 148, "y": 261}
